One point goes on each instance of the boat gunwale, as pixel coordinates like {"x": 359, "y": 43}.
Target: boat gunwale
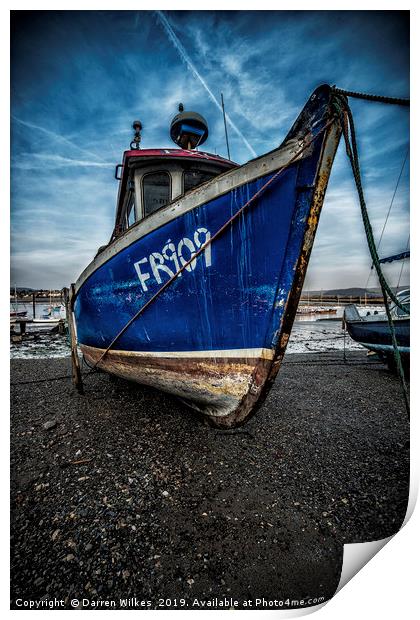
{"x": 372, "y": 319}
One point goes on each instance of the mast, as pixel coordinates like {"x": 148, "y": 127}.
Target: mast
{"x": 224, "y": 120}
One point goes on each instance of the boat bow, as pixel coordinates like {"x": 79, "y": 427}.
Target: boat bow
{"x": 198, "y": 299}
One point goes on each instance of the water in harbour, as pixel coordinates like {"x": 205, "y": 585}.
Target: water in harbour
{"x": 311, "y": 333}
{"x": 42, "y": 308}
{"x": 317, "y": 332}
{"x": 39, "y": 342}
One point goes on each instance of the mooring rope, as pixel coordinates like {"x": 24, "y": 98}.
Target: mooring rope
{"x": 402, "y": 264}
{"x": 318, "y": 362}
{"x": 387, "y": 217}
{"x": 368, "y": 97}
{"x": 393, "y": 198}
{"x": 352, "y": 153}
{"x": 211, "y": 239}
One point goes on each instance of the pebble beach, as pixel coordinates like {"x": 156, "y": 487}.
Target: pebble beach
{"x": 122, "y": 498}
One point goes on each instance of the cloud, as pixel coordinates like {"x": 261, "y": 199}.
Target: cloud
{"x": 73, "y": 111}
{"x": 55, "y": 136}
{"x": 53, "y": 161}
{"x": 185, "y": 57}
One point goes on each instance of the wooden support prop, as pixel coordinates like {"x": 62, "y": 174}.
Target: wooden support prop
{"x": 75, "y": 363}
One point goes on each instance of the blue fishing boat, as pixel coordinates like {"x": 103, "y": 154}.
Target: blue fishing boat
{"x": 197, "y": 290}
{"x": 373, "y": 332}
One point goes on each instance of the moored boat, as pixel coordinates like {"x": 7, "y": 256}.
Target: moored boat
{"x": 52, "y": 313}
{"x": 373, "y": 332}
{"x": 16, "y": 314}
{"x": 315, "y": 310}
{"x": 197, "y": 290}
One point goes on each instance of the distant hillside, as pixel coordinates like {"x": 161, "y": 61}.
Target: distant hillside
{"x": 353, "y": 291}
{"x": 21, "y": 289}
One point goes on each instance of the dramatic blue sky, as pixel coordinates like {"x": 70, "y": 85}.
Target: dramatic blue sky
{"x": 79, "y": 79}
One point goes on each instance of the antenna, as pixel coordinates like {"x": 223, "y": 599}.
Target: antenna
{"x": 135, "y": 144}
{"x": 224, "y": 120}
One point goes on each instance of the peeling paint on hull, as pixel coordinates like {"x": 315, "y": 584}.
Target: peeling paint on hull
{"x": 214, "y": 386}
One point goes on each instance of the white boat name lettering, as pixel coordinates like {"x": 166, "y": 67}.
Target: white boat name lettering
{"x": 175, "y": 255}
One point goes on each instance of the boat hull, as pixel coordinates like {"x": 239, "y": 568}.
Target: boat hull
{"x": 375, "y": 335}
{"x": 216, "y": 335}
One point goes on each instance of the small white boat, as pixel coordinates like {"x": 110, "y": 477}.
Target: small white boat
{"x": 51, "y": 321}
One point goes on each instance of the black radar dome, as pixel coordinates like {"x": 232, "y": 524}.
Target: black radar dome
{"x": 188, "y": 129}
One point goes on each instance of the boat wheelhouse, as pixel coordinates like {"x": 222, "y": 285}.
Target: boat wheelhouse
{"x": 152, "y": 178}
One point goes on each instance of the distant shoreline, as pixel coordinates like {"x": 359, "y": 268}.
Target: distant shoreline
{"x": 28, "y": 299}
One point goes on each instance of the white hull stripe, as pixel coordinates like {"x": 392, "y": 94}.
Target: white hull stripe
{"x": 266, "y": 354}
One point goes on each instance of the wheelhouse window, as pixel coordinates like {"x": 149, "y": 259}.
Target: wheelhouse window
{"x": 156, "y": 191}
{"x": 131, "y": 219}
{"x": 193, "y": 178}
{"x": 131, "y": 213}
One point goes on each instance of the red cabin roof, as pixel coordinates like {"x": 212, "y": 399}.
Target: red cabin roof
{"x": 176, "y": 153}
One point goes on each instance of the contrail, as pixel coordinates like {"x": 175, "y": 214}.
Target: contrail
{"x": 184, "y": 55}
{"x": 55, "y": 136}
{"x": 44, "y": 158}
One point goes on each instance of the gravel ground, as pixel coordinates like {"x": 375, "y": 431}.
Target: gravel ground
{"x": 123, "y": 493}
